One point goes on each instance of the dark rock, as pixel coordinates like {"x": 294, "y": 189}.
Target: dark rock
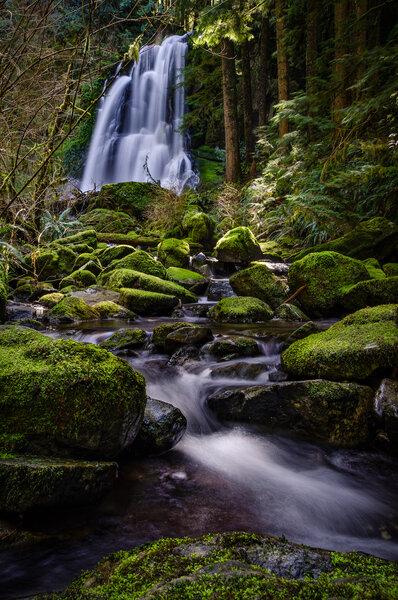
{"x": 386, "y": 408}
{"x": 194, "y": 336}
{"x": 162, "y": 428}
{"x": 231, "y": 347}
{"x": 184, "y": 356}
{"x": 290, "y": 312}
{"x": 219, "y": 289}
{"x": 243, "y": 370}
{"x": 125, "y": 339}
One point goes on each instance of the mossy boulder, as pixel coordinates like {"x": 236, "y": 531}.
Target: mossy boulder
{"x": 80, "y": 279}
{"x": 239, "y": 565}
{"x": 325, "y": 275}
{"x": 130, "y": 197}
{"x": 31, "y": 483}
{"x": 108, "y": 221}
{"x": 71, "y": 309}
{"x": 259, "y": 282}
{"x": 241, "y": 310}
{"x": 190, "y": 280}
{"x": 174, "y": 253}
{"x": 370, "y": 293}
{"x": 143, "y": 302}
{"x": 362, "y": 344}
{"x": 160, "y": 333}
{"x": 127, "y": 278}
{"x": 238, "y": 246}
{"x": 111, "y": 253}
{"x": 3, "y": 293}
{"x": 141, "y": 261}
{"x": 374, "y": 269}
{"x": 109, "y": 309}
{"x": 290, "y": 312}
{"x": 391, "y": 269}
{"x": 67, "y": 398}
{"x": 199, "y": 227}
{"x": 88, "y": 262}
{"x": 162, "y": 428}
{"x": 187, "y": 336}
{"x": 51, "y": 264}
{"x": 50, "y": 300}
{"x": 125, "y": 339}
{"x": 88, "y": 236}
{"x": 374, "y": 238}
{"x": 231, "y": 347}
{"x": 337, "y": 413}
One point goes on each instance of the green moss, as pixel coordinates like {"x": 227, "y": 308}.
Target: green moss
{"x": 66, "y": 393}
{"x": 131, "y": 197}
{"x": 51, "y": 264}
{"x": 147, "y": 303}
{"x": 88, "y": 237}
{"x": 3, "y": 293}
{"x": 231, "y": 347}
{"x": 355, "y": 348}
{"x": 391, "y": 269}
{"x": 107, "y": 308}
{"x": 161, "y": 332}
{"x": 238, "y": 246}
{"x": 198, "y": 226}
{"x": 139, "y": 261}
{"x": 241, "y": 310}
{"x": 290, "y": 312}
{"x": 71, "y": 309}
{"x": 108, "y": 221}
{"x": 325, "y": 275}
{"x": 258, "y": 281}
{"x": 174, "y": 253}
{"x": 82, "y": 249}
{"x": 111, "y": 253}
{"x": 370, "y": 293}
{"x": 80, "y": 279}
{"x": 50, "y": 300}
{"x": 127, "y": 278}
{"x": 124, "y": 339}
{"x": 176, "y": 274}
{"x": 374, "y": 269}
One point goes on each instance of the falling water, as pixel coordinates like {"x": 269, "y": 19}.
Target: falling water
{"x": 137, "y": 133}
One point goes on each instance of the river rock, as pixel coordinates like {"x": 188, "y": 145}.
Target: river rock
{"x": 192, "y": 336}
{"x": 290, "y": 312}
{"x": 370, "y": 293}
{"x": 238, "y": 246}
{"x": 244, "y": 370}
{"x": 219, "y": 289}
{"x": 67, "y": 398}
{"x": 362, "y": 344}
{"x": 186, "y": 356}
{"x": 71, "y": 310}
{"x": 174, "y": 253}
{"x": 111, "y": 253}
{"x": 339, "y": 413}
{"x": 259, "y": 282}
{"x": 162, "y": 428}
{"x": 28, "y": 483}
{"x": 231, "y": 347}
{"x": 191, "y": 280}
{"x": 386, "y": 407}
{"x": 125, "y": 339}
{"x": 143, "y": 302}
{"x": 241, "y": 310}
{"x": 161, "y": 332}
{"x": 95, "y": 294}
{"x": 140, "y": 261}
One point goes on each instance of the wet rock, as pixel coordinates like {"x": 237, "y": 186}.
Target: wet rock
{"x": 16, "y": 311}
{"x": 219, "y": 289}
{"x": 70, "y": 310}
{"x": 28, "y": 483}
{"x": 242, "y": 370}
{"x": 162, "y": 428}
{"x": 184, "y": 357}
{"x": 231, "y": 347}
{"x": 125, "y": 339}
{"x": 238, "y": 246}
{"x": 193, "y": 336}
{"x": 190, "y": 280}
{"x": 362, "y": 344}
{"x": 143, "y": 302}
{"x": 258, "y": 281}
{"x": 67, "y": 398}
{"x": 386, "y": 408}
{"x": 339, "y": 413}
{"x": 140, "y": 261}
{"x": 160, "y": 333}
{"x": 96, "y": 294}
{"x": 241, "y": 310}
{"x": 276, "y": 376}
{"x": 290, "y": 312}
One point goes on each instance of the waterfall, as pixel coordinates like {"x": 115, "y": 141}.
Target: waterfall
{"x": 137, "y": 132}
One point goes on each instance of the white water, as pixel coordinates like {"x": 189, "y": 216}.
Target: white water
{"x": 139, "y": 122}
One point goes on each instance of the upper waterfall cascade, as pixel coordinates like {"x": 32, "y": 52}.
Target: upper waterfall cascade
{"x": 137, "y": 132}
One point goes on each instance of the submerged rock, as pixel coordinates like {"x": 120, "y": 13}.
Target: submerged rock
{"x": 241, "y": 310}
{"x": 339, "y": 413}
{"x": 161, "y": 332}
{"x": 28, "y": 483}
{"x": 67, "y": 398}
{"x": 219, "y": 289}
{"x": 238, "y": 246}
{"x": 259, "y": 282}
{"x": 162, "y": 428}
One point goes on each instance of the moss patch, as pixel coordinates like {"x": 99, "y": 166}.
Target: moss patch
{"x": 131, "y": 197}
{"x": 128, "y": 278}
{"x": 174, "y": 253}
{"x": 108, "y": 221}
{"x": 241, "y": 310}
{"x": 370, "y": 293}
{"x": 125, "y": 339}
{"x": 51, "y": 300}
{"x": 139, "y": 261}
{"x": 72, "y": 309}
{"x": 258, "y": 281}
{"x": 80, "y": 279}
{"x": 147, "y": 303}
{"x": 238, "y": 246}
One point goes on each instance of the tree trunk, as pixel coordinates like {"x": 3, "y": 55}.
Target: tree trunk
{"x": 283, "y": 81}
{"x": 311, "y": 44}
{"x": 341, "y": 11}
{"x": 247, "y": 102}
{"x": 232, "y": 167}
{"x": 263, "y": 75}
{"x": 361, "y": 9}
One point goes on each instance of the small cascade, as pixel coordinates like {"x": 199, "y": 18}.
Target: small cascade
{"x": 137, "y": 132}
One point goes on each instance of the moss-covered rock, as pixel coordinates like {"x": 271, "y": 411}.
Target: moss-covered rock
{"x": 108, "y": 221}
{"x": 80, "y": 279}
{"x": 147, "y": 303}
{"x": 131, "y": 197}
{"x": 259, "y": 282}
{"x": 66, "y": 397}
{"x": 111, "y": 253}
{"x": 355, "y": 348}
{"x": 88, "y": 262}
{"x": 28, "y": 483}
{"x": 3, "y": 293}
{"x": 127, "y": 278}
{"x": 190, "y": 280}
{"x": 109, "y": 309}
{"x": 187, "y": 336}
{"x": 162, "y": 428}
{"x": 83, "y": 249}
{"x": 174, "y": 253}
{"x": 241, "y": 310}
{"x": 160, "y": 333}
{"x": 125, "y": 339}
{"x": 71, "y": 309}
{"x": 199, "y": 227}
{"x": 375, "y": 238}
{"x": 50, "y": 300}
{"x": 374, "y": 269}
{"x": 238, "y": 246}
{"x": 88, "y": 236}
{"x": 141, "y": 261}
{"x": 370, "y": 293}
{"x": 325, "y": 276}
{"x": 337, "y": 413}
{"x": 290, "y": 312}
{"x": 231, "y": 347}
{"x": 391, "y": 269}
{"x": 386, "y": 408}
{"x": 241, "y": 565}
{"x": 51, "y": 264}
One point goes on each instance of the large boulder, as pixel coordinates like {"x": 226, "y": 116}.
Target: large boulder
{"x": 241, "y": 310}
{"x": 138, "y": 261}
{"x": 188, "y": 279}
{"x": 374, "y": 238}
{"x": 143, "y": 302}
{"x": 326, "y": 276}
{"x": 28, "y": 483}
{"x": 70, "y": 309}
{"x": 238, "y": 246}
{"x": 162, "y": 428}
{"x": 108, "y": 221}
{"x": 87, "y": 237}
{"x": 362, "y": 344}
{"x": 131, "y": 197}
{"x": 67, "y": 398}
{"x": 199, "y": 227}
{"x": 370, "y": 293}
{"x": 174, "y": 253}
{"x": 127, "y": 278}
{"x": 52, "y": 264}
{"x": 110, "y": 253}
{"x": 80, "y": 279}
{"x": 339, "y": 413}
{"x": 259, "y": 282}
{"x": 125, "y": 339}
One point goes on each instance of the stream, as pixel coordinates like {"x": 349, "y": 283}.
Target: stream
{"x": 219, "y": 477}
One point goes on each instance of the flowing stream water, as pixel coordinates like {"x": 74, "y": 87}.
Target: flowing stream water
{"x": 218, "y": 478}
{"x": 137, "y": 134}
